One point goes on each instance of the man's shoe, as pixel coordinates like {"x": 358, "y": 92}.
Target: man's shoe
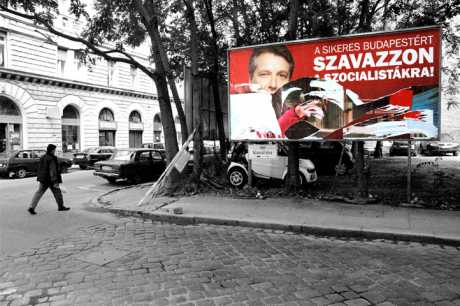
{"x": 63, "y": 208}
{"x": 31, "y": 211}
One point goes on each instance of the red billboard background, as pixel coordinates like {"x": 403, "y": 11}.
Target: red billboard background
{"x": 372, "y": 65}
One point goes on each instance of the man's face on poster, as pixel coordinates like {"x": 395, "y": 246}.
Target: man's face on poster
{"x": 272, "y": 72}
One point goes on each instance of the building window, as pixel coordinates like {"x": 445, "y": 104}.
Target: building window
{"x": 133, "y": 73}
{"x": 135, "y": 139}
{"x": 135, "y": 117}
{"x": 135, "y": 130}
{"x": 107, "y": 128}
{"x": 106, "y": 115}
{"x": 61, "y": 61}
{"x": 70, "y": 129}
{"x": 10, "y": 125}
{"x": 107, "y": 138}
{"x": 2, "y": 49}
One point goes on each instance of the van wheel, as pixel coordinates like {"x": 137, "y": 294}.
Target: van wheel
{"x": 237, "y": 177}
{"x": 21, "y": 173}
{"x": 83, "y": 167}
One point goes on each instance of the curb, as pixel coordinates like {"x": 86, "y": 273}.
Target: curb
{"x": 301, "y": 229}
{"x": 97, "y": 199}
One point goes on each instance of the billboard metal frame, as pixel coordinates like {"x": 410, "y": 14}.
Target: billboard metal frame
{"x": 331, "y": 38}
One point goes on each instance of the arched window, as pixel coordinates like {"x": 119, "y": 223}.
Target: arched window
{"x": 70, "y": 129}
{"x": 135, "y": 130}
{"x": 106, "y": 115}
{"x": 8, "y": 107}
{"x": 70, "y": 112}
{"x": 135, "y": 117}
{"x": 107, "y": 128}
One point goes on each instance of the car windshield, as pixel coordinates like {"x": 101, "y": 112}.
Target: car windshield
{"x": 123, "y": 155}
{"x": 90, "y": 150}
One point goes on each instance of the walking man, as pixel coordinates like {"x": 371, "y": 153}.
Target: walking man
{"x": 48, "y": 176}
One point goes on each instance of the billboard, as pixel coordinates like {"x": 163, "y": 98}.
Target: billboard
{"x": 373, "y": 86}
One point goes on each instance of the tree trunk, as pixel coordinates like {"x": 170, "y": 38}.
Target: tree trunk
{"x": 149, "y": 17}
{"x": 215, "y": 81}
{"x": 364, "y": 22}
{"x": 197, "y": 122}
{"x": 219, "y": 115}
{"x": 385, "y": 15}
{"x": 167, "y": 120}
{"x": 294, "y": 6}
{"x": 235, "y": 23}
{"x": 175, "y": 94}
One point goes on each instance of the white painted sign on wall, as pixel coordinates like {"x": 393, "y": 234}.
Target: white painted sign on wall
{"x": 265, "y": 151}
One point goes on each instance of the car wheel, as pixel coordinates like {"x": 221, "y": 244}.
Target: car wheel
{"x": 455, "y": 153}
{"x": 83, "y": 167}
{"x": 137, "y": 179}
{"x": 237, "y": 177}
{"x": 64, "y": 168}
{"x": 21, "y": 173}
{"x": 111, "y": 180}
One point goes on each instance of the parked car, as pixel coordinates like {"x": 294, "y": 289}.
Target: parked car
{"x": 446, "y": 145}
{"x": 326, "y": 156}
{"x": 210, "y": 149}
{"x": 401, "y": 148}
{"x": 25, "y": 162}
{"x": 134, "y": 165}
{"x": 91, "y": 155}
{"x": 276, "y": 168}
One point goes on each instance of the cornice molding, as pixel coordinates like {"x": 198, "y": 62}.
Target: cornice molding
{"x": 10, "y": 74}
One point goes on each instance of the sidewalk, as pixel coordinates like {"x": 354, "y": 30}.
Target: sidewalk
{"x": 293, "y": 214}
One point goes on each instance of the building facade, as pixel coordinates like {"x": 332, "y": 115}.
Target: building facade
{"x": 48, "y": 95}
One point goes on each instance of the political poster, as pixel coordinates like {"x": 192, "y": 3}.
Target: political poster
{"x": 372, "y": 86}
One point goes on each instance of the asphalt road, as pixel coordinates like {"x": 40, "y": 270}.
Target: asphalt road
{"x": 19, "y": 230}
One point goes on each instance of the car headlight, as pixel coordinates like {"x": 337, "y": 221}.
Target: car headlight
{"x": 2, "y": 165}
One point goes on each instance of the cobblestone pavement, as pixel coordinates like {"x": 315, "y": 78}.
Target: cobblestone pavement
{"x": 140, "y": 262}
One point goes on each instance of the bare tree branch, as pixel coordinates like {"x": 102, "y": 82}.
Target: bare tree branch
{"x": 92, "y": 47}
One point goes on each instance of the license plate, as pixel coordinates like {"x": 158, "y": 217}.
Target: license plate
{"x": 79, "y": 156}
{"x": 106, "y": 168}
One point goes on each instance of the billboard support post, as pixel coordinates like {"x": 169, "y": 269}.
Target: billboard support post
{"x": 409, "y": 172}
